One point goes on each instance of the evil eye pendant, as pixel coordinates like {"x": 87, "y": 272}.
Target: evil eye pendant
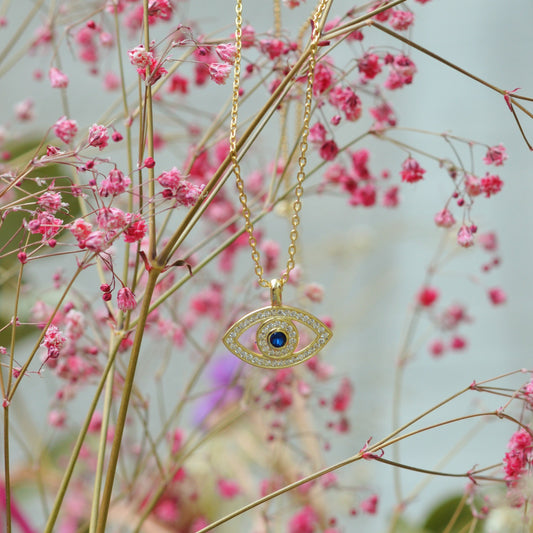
{"x": 276, "y": 337}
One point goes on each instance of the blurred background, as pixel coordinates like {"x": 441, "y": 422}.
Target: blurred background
{"x": 371, "y": 263}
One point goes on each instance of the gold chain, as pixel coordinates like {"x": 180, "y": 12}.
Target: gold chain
{"x": 302, "y": 160}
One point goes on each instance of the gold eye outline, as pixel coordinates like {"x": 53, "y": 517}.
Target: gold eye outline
{"x": 276, "y": 322}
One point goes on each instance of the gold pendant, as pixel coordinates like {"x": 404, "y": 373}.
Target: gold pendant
{"x": 277, "y": 337}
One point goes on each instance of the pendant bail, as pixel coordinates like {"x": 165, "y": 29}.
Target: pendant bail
{"x": 275, "y": 292}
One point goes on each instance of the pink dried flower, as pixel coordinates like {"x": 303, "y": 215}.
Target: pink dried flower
{"x": 115, "y": 183}
{"x": 329, "y": 150}
{"x": 472, "y": 185}
{"x": 495, "y": 155}
{"x": 444, "y": 219}
{"x": 126, "y": 299}
{"x": 98, "y": 136}
{"x": 412, "y": 171}
{"x": 314, "y": 292}
{"x": 427, "y": 296}
{"x": 65, "y": 129}
{"x": 489, "y": 241}
{"x": 317, "y": 133}
{"x": 53, "y": 341}
{"x": 95, "y": 241}
{"x": 188, "y": 193}
{"x": 370, "y": 505}
{"x": 272, "y": 47}
{"x": 228, "y": 488}
{"x": 497, "y": 296}
{"x": 219, "y": 72}
{"x": 369, "y": 66}
{"x": 304, "y": 521}
{"x": 491, "y": 184}
{"x": 465, "y": 237}
{"x": 401, "y": 20}
{"x": 343, "y": 397}
{"x": 390, "y": 198}
{"x": 50, "y": 201}
{"x": 140, "y": 57}
{"x": 58, "y": 79}
{"x": 436, "y": 348}
{"x": 226, "y": 52}
{"x": 80, "y": 228}
{"x": 136, "y": 229}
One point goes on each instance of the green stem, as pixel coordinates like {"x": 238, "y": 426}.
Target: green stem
{"x": 52, "y": 518}
{"x": 124, "y": 404}
{"x": 108, "y": 398}
{"x": 7, "y": 475}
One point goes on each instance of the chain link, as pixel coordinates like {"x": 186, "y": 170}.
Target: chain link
{"x": 302, "y": 160}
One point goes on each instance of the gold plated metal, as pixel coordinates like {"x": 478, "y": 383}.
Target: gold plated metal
{"x": 276, "y": 320}
{"x": 277, "y": 337}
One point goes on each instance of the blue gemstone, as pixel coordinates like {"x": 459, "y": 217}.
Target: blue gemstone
{"x": 277, "y": 339}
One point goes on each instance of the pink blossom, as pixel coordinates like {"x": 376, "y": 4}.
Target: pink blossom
{"x": 161, "y": 9}
{"x": 219, "y": 72}
{"x": 228, "y": 488}
{"x": 171, "y": 179}
{"x": 98, "y": 136}
{"x": 305, "y": 521}
{"x": 57, "y": 418}
{"x": 402, "y": 71}
{"x": 226, "y": 52}
{"x": 465, "y": 237}
{"x": 369, "y": 66}
{"x": 444, "y": 219}
{"x": 272, "y": 47}
{"x": 58, "y": 79}
{"x": 65, "y": 129}
{"x": 519, "y": 456}
{"x": 111, "y": 219}
{"x": 178, "y": 84}
{"x": 491, "y": 184}
{"x": 495, "y": 155}
{"x": 343, "y": 397}
{"x": 497, "y": 296}
{"x": 45, "y": 224}
{"x": 401, "y": 20}
{"x": 126, "y": 299}
{"x": 329, "y": 150}
{"x": 188, "y": 193}
{"x": 314, "y": 292}
{"x": 390, "y": 198}
{"x": 412, "y": 171}
{"x": 323, "y": 79}
{"x": 370, "y": 505}
{"x": 136, "y": 229}
{"x": 24, "y": 110}
{"x": 80, "y": 228}
{"x": 489, "y": 241}
{"x": 317, "y": 133}
{"x": 115, "y": 183}
{"x": 53, "y": 340}
{"x": 472, "y": 185}
{"x": 351, "y": 105}
{"x": 140, "y": 57}
{"x": 50, "y": 201}
{"x": 383, "y": 115}
{"x": 95, "y": 241}
{"x": 458, "y": 343}
{"x": 436, "y": 348}
{"x": 271, "y": 251}
{"x": 427, "y": 296}
{"x": 364, "y": 195}
{"x": 248, "y": 36}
